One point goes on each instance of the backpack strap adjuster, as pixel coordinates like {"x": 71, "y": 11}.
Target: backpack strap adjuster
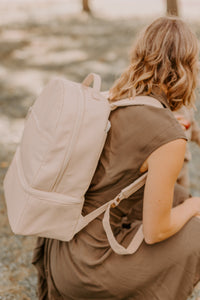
{"x": 117, "y": 200}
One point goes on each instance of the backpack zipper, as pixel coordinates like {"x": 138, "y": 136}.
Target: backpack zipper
{"x": 69, "y": 149}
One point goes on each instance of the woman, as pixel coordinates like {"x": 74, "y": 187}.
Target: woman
{"x": 167, "y": 263}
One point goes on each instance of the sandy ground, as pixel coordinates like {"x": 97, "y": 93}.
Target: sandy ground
{"x": 39, "y": 41}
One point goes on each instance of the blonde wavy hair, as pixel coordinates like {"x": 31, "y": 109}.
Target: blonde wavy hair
{"x": 165, "y": 55}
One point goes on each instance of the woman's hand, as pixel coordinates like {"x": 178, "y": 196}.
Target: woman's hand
{"x": 195, "y": 203}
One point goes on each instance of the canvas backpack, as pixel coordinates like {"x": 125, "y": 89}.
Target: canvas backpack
{"x": 53, "y": 166}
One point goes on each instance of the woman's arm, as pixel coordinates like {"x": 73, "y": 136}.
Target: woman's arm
{"x": 160, "y": 220}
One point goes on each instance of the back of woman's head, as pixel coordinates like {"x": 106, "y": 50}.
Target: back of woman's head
{"x": 165, "y": 55}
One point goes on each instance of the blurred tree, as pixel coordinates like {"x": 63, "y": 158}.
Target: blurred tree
{"x": 172, "y": 7}
{"x": 86, "y": 7}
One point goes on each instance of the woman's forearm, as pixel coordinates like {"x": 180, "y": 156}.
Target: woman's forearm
{"x": 179, "y": 216}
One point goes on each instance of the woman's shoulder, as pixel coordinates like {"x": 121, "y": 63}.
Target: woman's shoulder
{"x": 145, "y": 113}
{"x": 147, "y": 121}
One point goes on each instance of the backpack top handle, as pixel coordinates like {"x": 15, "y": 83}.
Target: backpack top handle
{"x": 96, "y": 79}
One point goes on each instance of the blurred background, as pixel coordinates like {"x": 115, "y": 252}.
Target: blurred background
{"x": 40, "y": 39}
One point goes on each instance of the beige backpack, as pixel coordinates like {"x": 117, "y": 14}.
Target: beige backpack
{"x": 52, "y": 168}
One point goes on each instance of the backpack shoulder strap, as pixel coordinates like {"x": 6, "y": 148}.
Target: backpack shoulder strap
{"x": 125, "y": 193}
{"x": 139, "y": 100}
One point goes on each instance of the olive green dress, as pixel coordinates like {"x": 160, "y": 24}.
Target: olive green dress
{"x": 86, "y": 267}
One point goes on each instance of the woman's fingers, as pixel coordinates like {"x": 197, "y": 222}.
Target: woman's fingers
{"x": 183, "y": 122}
